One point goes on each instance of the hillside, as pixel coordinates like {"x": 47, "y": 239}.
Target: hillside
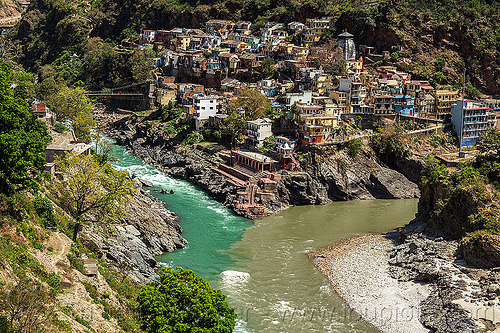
{"x": 430, "y": 39}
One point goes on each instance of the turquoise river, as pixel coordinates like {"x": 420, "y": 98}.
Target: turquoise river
{"x": 262, "y": 265}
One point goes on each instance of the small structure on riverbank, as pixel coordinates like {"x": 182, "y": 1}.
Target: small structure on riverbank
{"x": 257, "y": 177}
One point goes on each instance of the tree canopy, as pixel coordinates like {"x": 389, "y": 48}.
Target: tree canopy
{"x": 490, "y": 141}
{"x": 91, "y": 190}
{"x": 253, "y": 103}
{"x": 23, "y": 138}
{"x": 184, "y": 302}
{"x": 72, "y": 104}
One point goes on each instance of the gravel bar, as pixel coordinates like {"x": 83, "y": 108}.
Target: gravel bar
{"x": 357, "y": 269}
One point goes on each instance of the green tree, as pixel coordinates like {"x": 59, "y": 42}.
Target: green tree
{"x": 354, "y": 147}
{"x": 233, "y": 125}
{"x": 389, "y": 142}
{"x": 253, "y": 103}
{"x": 140, "y": 64}
{"x": 23, "y": 138}
{"x": 74, "y": 105}
{"x": 91, "y": 191}
{"x": 184, "y": 302}
{"x": 103, "y": 149}
{"x": 268, "y": 144}
{"x": 490, "y": 141}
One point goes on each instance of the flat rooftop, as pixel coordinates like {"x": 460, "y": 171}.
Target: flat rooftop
{"x": 256, "y": 156}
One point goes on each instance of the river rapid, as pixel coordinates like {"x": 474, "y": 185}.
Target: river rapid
{"x": 262, "y": 265}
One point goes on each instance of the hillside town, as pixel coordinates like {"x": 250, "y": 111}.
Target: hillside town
{"x": 202, "y": 70}
{"x": 249, "y": 166}
{"x": 318, "y": 94}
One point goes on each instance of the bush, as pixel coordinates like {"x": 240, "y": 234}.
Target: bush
{"x": 192, "y": 138}
{"x": 268, "y": 144}
{"x": 354, "y": 147}
{"x": 60, "y": 128}
{"x": 184, "y": 302}
{"x": 28, "y": 306}
{"x": 45, "y": 211}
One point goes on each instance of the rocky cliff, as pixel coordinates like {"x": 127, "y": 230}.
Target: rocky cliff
{"x": 147, "y": 230}
{"x": 324, "y": 175}
{"x": 329, "y": 173}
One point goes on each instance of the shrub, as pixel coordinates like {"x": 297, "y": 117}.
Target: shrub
{"x": 184, "y": 302}
{"x": 354, "y": 147}
{"x": 60, "y": 128}
{"x": 192, "y": 138}
{"x": 27, "y": 306}
{"x": 45, "y": 211}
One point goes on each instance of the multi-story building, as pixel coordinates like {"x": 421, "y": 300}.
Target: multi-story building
{"x": 405, "y": 105}
{"x": 147, "y": 36}
{"x": 320, "y": 82}
{"x": 444, "y": 100}
{"x": 341, "y": 99}
{"x": 319, "y": 23}
{"x": 415, "y": 87}
{"x": 315, "y": 123}
{"x": 296, "y": 26}
{"x": 383, "y": 105}
{"x": 314, "y": 30}
{"x": 268, "y": 29}
{"x": 425, "y": 104}
{"x": 186, "y": 92}
{"x": 243, "y": 26}
{"x": 311, "y": 36}
{"x": 308, "y": 109}
{"x": 300, "y": 97}
{"x": 259, "y": 130}
{"x": 204, "y": 106}
{"x": 470, "y": 120}
{"x": 284, "y": 147}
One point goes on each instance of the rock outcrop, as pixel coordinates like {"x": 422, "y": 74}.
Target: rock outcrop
{"x": 148, "y": 229}
{"x": 325, "y": 174}
{"x": 461, "y": 297}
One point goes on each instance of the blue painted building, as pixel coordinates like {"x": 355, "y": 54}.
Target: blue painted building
{"x": 405, "y": 105}
{"x": 469, "y": 121}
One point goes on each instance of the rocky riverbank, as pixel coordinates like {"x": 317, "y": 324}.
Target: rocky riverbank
{"x": 147, "y": 230}
{"x": 419, "y": 280}
{"x": 357, "y": 269}
{"x": 324, "y": 174}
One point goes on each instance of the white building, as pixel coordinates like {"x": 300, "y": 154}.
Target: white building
{"x": 304, "y": 97}
{"x": 296, "y": 26}
{"x": 204, "y": 106}
{"x": 147, "y": 36}
{"x": 284, "y": 146}
{"x": 258, "y": 130}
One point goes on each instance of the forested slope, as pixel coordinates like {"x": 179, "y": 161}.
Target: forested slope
{"x": 435, "y": 38}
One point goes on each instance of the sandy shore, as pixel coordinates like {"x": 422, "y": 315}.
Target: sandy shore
{"x": 357, "y": 269}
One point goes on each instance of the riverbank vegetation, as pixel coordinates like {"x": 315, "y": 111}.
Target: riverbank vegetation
{"x": 44, "y": 284}
{"x": 183, "y": 302}
{"x": 464, "y": 203}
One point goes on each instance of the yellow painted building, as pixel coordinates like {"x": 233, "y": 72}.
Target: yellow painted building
{"x": 315, "y": 128}
{"x": 183, "y": 42}
{"x": 444, "y": 99}
{"x": 342, "y": 99}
